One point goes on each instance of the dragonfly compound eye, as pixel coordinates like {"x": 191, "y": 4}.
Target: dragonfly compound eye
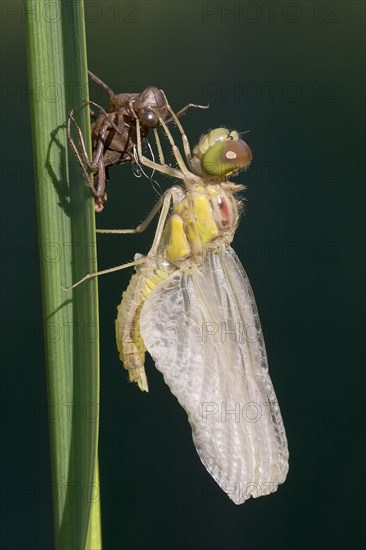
{"x": 149, "y": 119}
{"x": 220, "y": 153}
{"x": 226, "y": 157}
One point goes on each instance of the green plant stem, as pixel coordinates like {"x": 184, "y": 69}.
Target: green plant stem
{"x": 66, "y": 224}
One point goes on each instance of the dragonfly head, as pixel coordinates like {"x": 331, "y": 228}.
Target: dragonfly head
{"x": 151, "y": 101}
{"x": 220, "y": 154}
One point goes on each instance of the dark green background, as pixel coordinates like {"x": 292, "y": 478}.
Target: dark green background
{"x": 294, "y": 76}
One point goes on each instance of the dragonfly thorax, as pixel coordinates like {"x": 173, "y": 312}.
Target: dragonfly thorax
{"x": 204, "y": 215}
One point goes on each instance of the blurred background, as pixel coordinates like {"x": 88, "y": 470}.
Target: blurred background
{"x": 292, "y": 75}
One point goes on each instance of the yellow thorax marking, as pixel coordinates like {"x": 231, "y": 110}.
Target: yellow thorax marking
{"x": 205, "y": 222}
{"x": 192, "y": 224}
{"x": 178, "y": 247}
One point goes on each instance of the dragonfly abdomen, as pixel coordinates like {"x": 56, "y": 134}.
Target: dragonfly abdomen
{"x": 130, "y": 344}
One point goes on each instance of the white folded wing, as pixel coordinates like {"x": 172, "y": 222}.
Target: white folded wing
{"x": 203, "y": 331}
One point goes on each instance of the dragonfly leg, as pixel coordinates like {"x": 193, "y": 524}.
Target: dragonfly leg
{"x": 102, "y": 84}
{"x": 143, "y": 225}
{"x": 162, "y": 168}
{"x": 78, "y": 156}
{"x": 165, "y": 207}
{"x": 186, "y": 146}
{"x": 187, "y": 174}
{"x": 186, "y": 108}
{"x": 104, "y": 272}
{"x": 100, "y": 181}
{"x": 104, "y": 112}
{"x": 158, "y": 145}
{"x": 174, "y": 117}
{"x": 187, "y": 150}
{"x": 99, "y": 150}
{"x": 167, "y": 199}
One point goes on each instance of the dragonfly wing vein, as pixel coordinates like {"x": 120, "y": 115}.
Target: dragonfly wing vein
{"x": 202, "y": 329}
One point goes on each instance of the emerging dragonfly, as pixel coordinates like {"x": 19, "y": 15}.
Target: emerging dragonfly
{"x": 191, "y": 306}
{"x": 114, "y": 133}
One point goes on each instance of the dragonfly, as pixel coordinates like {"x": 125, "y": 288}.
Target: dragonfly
{"x": 114, "y": 133}
{"x": 191, "y": 306}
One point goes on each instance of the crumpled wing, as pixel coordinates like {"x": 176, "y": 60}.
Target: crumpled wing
{"x": 202, "y": 329}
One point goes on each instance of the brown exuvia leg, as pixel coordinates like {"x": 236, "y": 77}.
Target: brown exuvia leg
{"x": 102, "y": 84}
{"x": 96, "y": 166}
